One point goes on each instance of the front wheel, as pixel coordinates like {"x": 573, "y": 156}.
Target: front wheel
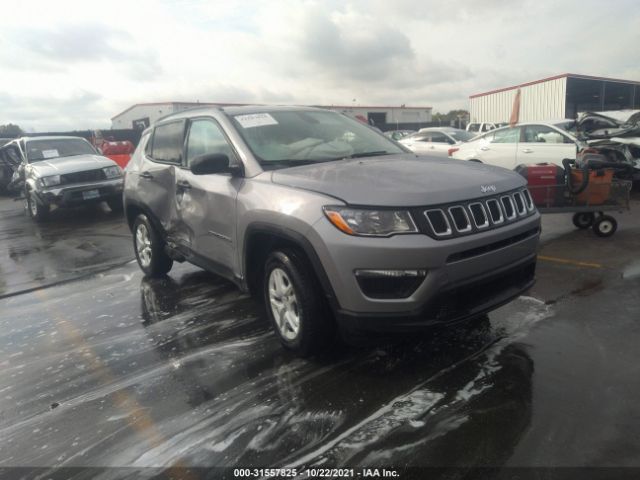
{"x": 294, "y": 303}
{"x": 149, "y": 248}
{"x": 605, "y": 226}
{"x": 36, "y": 210}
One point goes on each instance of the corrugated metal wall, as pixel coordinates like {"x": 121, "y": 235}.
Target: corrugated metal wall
{"x": 540, "y": 101}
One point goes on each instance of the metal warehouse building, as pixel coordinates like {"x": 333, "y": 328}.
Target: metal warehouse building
{"x": 562, "y": 96}
{"x": 141, "y": 115}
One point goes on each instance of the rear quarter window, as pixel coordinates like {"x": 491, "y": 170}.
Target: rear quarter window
{"x": 144, "y": 148}
{"x": 167, "y": 142}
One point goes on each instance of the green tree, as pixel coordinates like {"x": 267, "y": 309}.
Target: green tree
{"x": 10, "y": 131}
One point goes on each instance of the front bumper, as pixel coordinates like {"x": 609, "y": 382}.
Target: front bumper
{"x": 457, "y": 271}
{"x": 79, "y": 194}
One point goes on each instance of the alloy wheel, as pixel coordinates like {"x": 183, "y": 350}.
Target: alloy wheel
{"x": 143, "y": 245}
{"x": 284, "y": 304}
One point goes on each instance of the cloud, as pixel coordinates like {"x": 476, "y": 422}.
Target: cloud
{"x": 66, "y": 46}
{"x": 78, "y": 65}
{"x": 43, "y": 112}
{"x": 338, "y": 49}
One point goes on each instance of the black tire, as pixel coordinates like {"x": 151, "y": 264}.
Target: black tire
{"x": 115, "y": 204}
{"x": 35, "y": 209}
{"x": 583, "y": 220}
{"x": 605, "y": 226}
{"x": 316, "y": 326}
{"x": 152, "y": 260}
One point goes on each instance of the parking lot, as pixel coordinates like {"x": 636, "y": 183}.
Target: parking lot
{"x": 104, "y": 368}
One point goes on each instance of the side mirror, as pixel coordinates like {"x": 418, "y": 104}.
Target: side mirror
{"x": 209, "y": 163}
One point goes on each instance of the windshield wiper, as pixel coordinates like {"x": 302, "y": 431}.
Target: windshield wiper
{"x": 377, "y": 153}
{"x": 287, "y": 162}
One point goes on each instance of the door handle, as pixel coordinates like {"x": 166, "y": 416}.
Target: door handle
{"x": 527, "y": 150}
{"x": 184, "y": 185}
{"x": 432, "y": 147}
{"x": 146, "y": 175}
{"x": 484, "y": 149}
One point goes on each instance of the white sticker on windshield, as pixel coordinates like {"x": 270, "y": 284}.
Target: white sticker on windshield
{"x": 256, "y": 120}
{"x": 50, "y": 153}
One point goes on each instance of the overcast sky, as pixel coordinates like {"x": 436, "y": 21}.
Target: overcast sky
{"x": 74, "y": 65}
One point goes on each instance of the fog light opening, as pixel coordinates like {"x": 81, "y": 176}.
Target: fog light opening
{"x": 389, "y": 283}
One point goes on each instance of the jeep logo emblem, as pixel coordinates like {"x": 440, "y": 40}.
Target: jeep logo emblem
{"x": 487, "y": 188}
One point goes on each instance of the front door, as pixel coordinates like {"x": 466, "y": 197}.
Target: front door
{"x": 543, "y": 144}
{"x": 207, "y": 203}
{"x": 499, "y": 147}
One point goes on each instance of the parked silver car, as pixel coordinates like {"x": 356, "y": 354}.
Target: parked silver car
{"x": 63, "y": 171}
{"x": 329, "y": 222}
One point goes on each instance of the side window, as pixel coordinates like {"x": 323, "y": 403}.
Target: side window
{"x": 473, "y": 127}
{"x": 205, "y": 137}
{"x": 506, "y": 135}
{"x": 543, "y": 134}
{"x": 167, "y": 142}
{"x": 440, "y": 138}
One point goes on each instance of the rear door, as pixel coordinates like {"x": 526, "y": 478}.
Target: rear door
{"x": 207, "y": 203}
{"x": 499, "y": 147}
{"x": 157, "y": 172}
{"x": 544, "y": 144}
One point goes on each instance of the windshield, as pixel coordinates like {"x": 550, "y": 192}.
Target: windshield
{"x": 568, "y": 126}
{"x": 299, "y": 137}
{"x": 60, "y": 147}
{"x": 462, "y": 135}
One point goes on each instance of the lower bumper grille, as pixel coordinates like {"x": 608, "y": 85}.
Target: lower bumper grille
{"x": 467, "y": 299}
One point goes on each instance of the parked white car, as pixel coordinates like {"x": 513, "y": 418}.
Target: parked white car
{"x": 435, "y": 140}
{"x": 526, "y": 143}
{"x": 478, "y": 128}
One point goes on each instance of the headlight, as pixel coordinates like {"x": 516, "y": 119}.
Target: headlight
{"x": 51, "y": 181}
{"x": 112, "y": 172}
{"x": 380, "y": 223}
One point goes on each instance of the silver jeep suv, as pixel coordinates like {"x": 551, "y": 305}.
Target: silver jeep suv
{"x": 328, "y": 221}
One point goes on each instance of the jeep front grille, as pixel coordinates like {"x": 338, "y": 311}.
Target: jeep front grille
{"x": 438, "y": 222}
{"x": 509, "y": 208}
{"x": 460, "y": 218}
{"x": 495, "y": 212}
{"x": 477, "y": 215}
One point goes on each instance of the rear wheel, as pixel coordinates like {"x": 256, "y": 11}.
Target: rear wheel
{"x": 149, "y": 248}
{"x": 294, "y": 303}
{"x": 583, "y": 220}
{"x": 605, "y": 226}
{"x": 35, "y": 209}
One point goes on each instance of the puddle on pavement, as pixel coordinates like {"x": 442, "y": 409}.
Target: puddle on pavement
{"x": 632, "y": 271}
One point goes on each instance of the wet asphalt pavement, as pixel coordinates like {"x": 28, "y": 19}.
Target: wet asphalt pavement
{"x": 101, "y": 367}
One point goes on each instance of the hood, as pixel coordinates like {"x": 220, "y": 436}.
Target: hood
{"x": 404, "y": 180}
{"x": 76, "y": 163}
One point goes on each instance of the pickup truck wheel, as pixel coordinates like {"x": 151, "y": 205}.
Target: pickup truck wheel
{"x": 149, "y": 248}
{"x": 294, "y": 303}
{"x": 35, "y": 209}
